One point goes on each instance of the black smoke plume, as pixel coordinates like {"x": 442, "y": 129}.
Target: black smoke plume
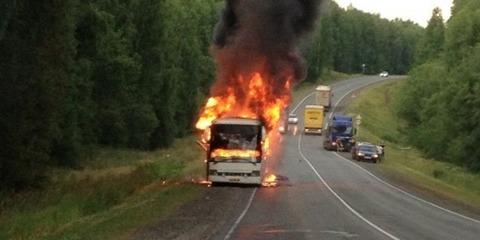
{"x": 262, "y": 36}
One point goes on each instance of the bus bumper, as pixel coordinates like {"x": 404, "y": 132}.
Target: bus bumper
{"x": 235, "y": 179}
{"x": 240, "y": 173}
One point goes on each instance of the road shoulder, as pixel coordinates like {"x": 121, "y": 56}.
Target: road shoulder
{"x": 422, "y": 185}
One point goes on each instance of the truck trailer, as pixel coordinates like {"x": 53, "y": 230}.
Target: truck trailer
{"x": 313, "y": 119}
{"x": 323, "y": 97}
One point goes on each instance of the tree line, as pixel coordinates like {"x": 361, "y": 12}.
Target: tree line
{"x": 351, "y": 41}
{"x": 75, "y": 75}
{"x": 79, "y": 75}
{"x": 441, "y": 101}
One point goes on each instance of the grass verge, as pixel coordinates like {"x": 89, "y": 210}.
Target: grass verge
{"x": 379, "y": 124}
{"x": 117, "y": 192}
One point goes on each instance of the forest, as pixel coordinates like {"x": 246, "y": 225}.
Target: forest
{"x": 76, "y": 76}
{"x": 441, "y": 101}
{"x": 352, "y": 41}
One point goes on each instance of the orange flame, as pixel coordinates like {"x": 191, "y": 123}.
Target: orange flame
{"x": 235, "y": 153}
{"x": 258, "y": 102}
{"x": 253, "y": 97}
{"x": 270, "y": 181}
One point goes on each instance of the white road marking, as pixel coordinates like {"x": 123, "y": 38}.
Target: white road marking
{"x": 389, "y": 235}
{"x": 242, "y": 215}
{"x": 374, "y": 176}
{"x": 342, "y": 234}
{"x": 348, "y": 93}
{"x": 302, "y": 101}
{"x": 407, "y": 193}
{"x": 239, "y": 219}
{"x": 394, "y": 187}
{"x": 336, "y": 104}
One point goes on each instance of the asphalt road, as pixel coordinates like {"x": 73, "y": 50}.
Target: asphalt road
{"x": 322, "y": 195}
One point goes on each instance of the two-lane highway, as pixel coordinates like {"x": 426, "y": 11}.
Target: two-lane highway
{"x": 325, "y": 196}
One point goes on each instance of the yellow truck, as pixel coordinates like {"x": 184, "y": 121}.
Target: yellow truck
{"x": 313, "y": 120}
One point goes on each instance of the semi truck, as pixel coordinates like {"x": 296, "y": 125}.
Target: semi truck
{"x": 340, "y": 134}
{"x": 323, "y": 97}
{"x": 236, "y": 151}
{"x": 313, "y": 119}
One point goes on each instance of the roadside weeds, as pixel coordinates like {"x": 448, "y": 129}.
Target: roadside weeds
{"x": 452, "y": 185}
{"x": 108, "y": 199}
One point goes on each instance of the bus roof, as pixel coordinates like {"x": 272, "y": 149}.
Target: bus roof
{"x": 323, "y": 88}
{"x": 237, "y": 121}
{"x": 314, "y": 107}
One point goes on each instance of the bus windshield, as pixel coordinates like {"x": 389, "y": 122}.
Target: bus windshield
{"x": 236, "y": 137}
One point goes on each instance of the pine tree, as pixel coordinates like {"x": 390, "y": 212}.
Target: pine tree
{"x": 434, "y": 39}
{"x": 34, "y": 67}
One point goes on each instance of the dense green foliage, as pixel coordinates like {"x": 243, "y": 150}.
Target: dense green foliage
{"x": 380, "y": 123}
{"x": 433, "y": 40}
{"x": 79, "y": 74}
{"x": 348, "y": 38}
{"x": 441, "y": 101}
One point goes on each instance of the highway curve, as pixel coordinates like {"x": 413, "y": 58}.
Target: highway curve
{"x": 325, "y": 196}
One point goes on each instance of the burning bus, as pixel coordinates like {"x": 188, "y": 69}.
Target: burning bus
{"x": 236, "y": 151}
{"x": 257, "y": 62}
{"x": 237, "y": 131}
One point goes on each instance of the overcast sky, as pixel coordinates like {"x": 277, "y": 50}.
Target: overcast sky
{"x": 418, "y": 11}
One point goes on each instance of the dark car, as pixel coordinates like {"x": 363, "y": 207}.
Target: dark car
{"x": 365, "y": 152}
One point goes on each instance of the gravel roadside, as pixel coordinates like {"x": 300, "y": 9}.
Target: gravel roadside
{"x": 202, "y": 218}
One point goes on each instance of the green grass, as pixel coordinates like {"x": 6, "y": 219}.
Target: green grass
{"x": 117, "y": 192}
{"x": 379, "y": 124}
{"x": 114, "y": 193}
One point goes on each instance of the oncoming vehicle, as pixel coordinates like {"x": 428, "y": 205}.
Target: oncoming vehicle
{"x": 323, "y": 97}
{"x": 313, "y": 119}
{"x": 339, "y": 134}
{"x": 384, "y": 74}
{"x": 235, "y": 152}
{"x": 284, "y": 121}
{"x": 365, "y": 152}
{"x": 292, "y": 118}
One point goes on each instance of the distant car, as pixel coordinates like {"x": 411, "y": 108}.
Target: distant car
{"x": 292, "y": 118}
{"x": 384, "y": 74}
{"x": 365, "y": 152}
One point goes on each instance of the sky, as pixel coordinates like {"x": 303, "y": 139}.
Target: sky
{"x": 418, "y": 11}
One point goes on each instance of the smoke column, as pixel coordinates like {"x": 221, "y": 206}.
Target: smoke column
{"x": 261, "y": 36}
